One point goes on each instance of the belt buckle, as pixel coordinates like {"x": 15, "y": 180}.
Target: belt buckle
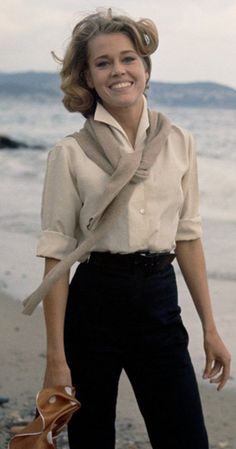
{"x": 147, "y": 261}
{"x": 140, "y": 258}
{"x": 143, "y": 253}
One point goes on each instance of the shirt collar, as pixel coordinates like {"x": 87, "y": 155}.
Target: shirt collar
{"x": 102, "y": 115}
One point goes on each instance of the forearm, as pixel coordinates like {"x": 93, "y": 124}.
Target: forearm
{"x": 54, "y": 312}
{"x": 191, "y": 261}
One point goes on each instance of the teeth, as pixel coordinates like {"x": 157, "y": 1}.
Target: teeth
{"x": 120, "y": 85}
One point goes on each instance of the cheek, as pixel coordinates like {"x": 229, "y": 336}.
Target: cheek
{"x": 144, "y": 79}
{"x": 143, "y": 73}
{"x": 98, "y": 80}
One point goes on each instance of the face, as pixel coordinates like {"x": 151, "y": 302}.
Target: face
{"x": 116, "y": 72}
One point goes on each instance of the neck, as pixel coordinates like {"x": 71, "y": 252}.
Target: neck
{"x": 128, "y": 118}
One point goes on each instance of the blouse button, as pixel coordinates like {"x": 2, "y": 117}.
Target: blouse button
{"x": 142, "y": 211}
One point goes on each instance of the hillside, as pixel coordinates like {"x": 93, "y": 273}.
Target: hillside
{"x": 42, "y": 85}
{"x": 202, "y": 94}
{"x": 29, "y": 83}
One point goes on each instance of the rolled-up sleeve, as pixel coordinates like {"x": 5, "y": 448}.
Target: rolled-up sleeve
{"x": 189, "y": 227}
{"x": 61, "y": 206}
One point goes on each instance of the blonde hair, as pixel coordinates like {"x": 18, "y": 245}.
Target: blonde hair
{"x": 78, "y": 97}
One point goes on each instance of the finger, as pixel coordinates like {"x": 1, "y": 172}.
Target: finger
{"x": 216, "y": 368}
{"x": 216, "y": 380}
{"x": 221, "y": 385}
{"x": 208, "y": 368}
{"x": 224, "y": 377}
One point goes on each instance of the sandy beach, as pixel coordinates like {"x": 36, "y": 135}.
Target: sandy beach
{"x": 22, "y": 350}
{"x": 23, "y": 361}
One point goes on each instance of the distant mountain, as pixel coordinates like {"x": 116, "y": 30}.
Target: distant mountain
{"x": 42, "y": 85}
{"x": 202, "y": 94}
{"x": 37, "y": 84}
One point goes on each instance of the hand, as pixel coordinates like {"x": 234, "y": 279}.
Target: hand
{"x": 57, "y": 373}
{"x": 218, "y": 359}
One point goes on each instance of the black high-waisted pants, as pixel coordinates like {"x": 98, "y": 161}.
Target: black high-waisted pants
{"x": 129, "y": 319}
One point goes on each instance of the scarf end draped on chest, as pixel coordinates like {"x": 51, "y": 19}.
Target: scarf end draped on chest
{"x": 125, "y": 170}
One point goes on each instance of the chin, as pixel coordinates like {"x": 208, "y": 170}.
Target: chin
{"x": 126, "y": 102}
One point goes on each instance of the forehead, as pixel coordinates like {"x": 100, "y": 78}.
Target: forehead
{"x": 105, "y": 44}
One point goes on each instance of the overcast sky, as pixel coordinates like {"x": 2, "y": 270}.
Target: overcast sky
{"x": 197, "y": 37}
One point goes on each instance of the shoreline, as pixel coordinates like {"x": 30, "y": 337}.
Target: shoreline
{"x": 23, "y": 361}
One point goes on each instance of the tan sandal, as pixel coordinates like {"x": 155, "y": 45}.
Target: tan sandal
{"x": 55, "y": 407}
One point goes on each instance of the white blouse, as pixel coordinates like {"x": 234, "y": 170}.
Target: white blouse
{"x": 163, "y": 209}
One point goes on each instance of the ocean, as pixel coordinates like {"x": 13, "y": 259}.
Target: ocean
{"x": 22, "y": 173}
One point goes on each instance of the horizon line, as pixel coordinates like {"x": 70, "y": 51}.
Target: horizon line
{"x": 15, "y": 72}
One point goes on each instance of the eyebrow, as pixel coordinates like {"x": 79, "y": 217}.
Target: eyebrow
{"x": 107, "y": 56}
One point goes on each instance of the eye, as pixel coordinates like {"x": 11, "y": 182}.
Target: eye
{"x": 129, "y": 59}
{"x": 102, "y": 64}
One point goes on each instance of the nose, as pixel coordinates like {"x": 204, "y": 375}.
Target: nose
{"x": 118, "y": 69}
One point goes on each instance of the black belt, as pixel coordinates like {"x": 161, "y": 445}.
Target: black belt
{"x": 150, "y": 262}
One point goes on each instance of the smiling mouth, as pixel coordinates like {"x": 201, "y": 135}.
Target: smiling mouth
{"x": 121, "y": 85}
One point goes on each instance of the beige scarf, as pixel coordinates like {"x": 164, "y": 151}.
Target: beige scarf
{"x": 125, "y": 170}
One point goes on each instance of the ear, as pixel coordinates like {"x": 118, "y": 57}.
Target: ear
{"x": 89, "y": 80}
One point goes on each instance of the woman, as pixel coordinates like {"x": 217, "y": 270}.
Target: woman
{"x": 121, "y": 309}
